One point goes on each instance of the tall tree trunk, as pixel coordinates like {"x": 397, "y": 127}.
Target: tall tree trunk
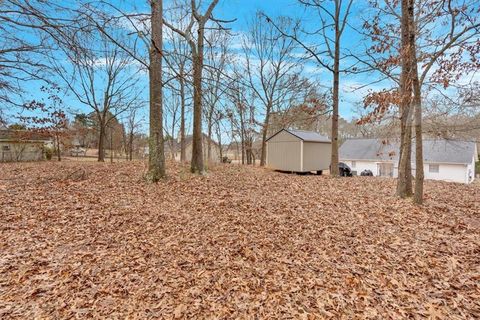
{"x": 156, "y": 157}
{"x": 130, "y": 144}
{"x": 57, "y": 138}
{"x": 417, "y": 105}
{"x": 172, "y": 141}
{"x": 419, "y": 174}
{"x": 242, "y": 147}
{"x": 197, "y": 165}
{"x": 263, "y": 156}
{"x": 242, "y": 133}
{"x": 209, "y": 134}
{"x": 183, "y": 155}
{"x": 111, "y": 144}
{"x": 125, "y": 144}
{"x": 220, "y": 148}
{"x": 248, "y": 151}
{"x": 101, "y": 140}
{"x": 404, "y": 182}
{"x": 336, "y": 83}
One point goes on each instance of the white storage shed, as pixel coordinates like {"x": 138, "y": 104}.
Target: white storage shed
{"x": 298, "y": 151}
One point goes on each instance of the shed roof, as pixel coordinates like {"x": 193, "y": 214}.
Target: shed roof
{"x": 440, "y": 151}
{"x": 307, "y": 136}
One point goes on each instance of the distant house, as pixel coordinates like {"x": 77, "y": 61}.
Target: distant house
{"x": 298, "y": 151}
{"x": 21, "y": 145}
{"x": 234, "y": 150}
{"x": 172, "y": 149}
{"x": 446, "y": 160}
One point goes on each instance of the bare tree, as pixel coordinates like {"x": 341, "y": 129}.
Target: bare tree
{"x": 463, "y": 37}
{"x": 101, "y": 79}
{"x": 180, "y": 66}
{"x": 20, "y": 57}
{"x": 432, "y": 56}
{"x": 197, "y": 24}
{"x": 242, "y": 116}
{"x": 216, "y": 82}
{"x": 46, "y": 117}
{"x": 333, "y": 14}
{"x": 172, "y": 106}
{"x": 156, "y": 163}
{"x": 145, "y": 46}
{"x": 273, "y": 70}
{"x": 453, "y": 117}
{"x": 132, "y": 124}
{"x": 29, "y": 31}
{"x": 404, "y": 186}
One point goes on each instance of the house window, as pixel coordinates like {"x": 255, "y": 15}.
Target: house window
{"x": 354, "y": 164}
{"x": 433, "y": 168}
{"x": 5, "y": 148}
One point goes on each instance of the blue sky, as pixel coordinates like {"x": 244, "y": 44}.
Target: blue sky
{"x": 242, "y": 10}
{"x": 351, "y": 40}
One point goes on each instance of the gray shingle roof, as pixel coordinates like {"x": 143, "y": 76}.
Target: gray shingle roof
{"x": 307, "y": 136}
{"x": 441, "y": 151}
{"x": 23, "y": 135}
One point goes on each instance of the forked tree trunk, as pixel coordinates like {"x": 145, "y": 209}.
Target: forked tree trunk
{"x": 156, "y": 157}
{"x": 101, "y": 141}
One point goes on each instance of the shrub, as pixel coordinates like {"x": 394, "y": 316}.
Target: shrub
{"x": 48, "y": 153}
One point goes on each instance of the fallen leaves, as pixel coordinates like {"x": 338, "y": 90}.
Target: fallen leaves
{"x": 82, "y": 240}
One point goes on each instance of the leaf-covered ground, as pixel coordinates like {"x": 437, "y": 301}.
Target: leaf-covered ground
{"x": 83, "y": 240}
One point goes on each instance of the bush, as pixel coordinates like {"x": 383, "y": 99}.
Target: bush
{"x": 477, "y": 167}
{"x": 48, "y": 153}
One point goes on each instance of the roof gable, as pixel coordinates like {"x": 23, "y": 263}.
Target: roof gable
{"x": 23, "y": 136}
{"x": 307, "y": 136}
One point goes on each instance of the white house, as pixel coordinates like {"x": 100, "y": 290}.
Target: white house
{"x": 22, "y": 145}
{"x": 447, "y": 160}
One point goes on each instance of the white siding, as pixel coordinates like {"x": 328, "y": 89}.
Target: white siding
{"x": 21, "y": 151}
{"x": 471, "y": 171}
{"x": 316, "y": 156}
{"x": 362, "y": 165}
{"x": 447, "y": 172}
